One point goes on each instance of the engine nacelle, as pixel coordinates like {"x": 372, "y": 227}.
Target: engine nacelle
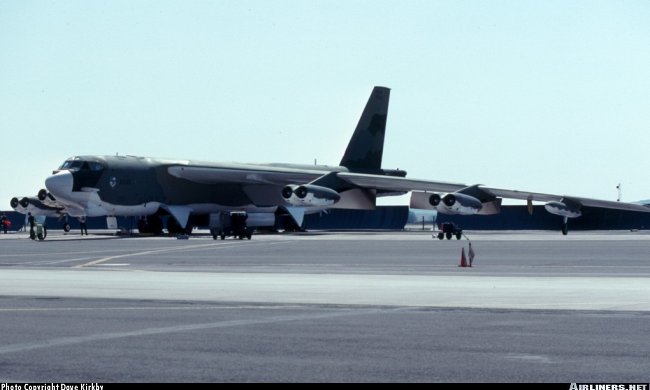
{"x": 46, "y": 197}
{"x": 457, "y": 203}
{"x": 33, "y": 205}
{"x": 15, "y": 204}
{"x": 310, "y": 195}
{"x": 434, "y": 200}
{"x": 561, "y": 209}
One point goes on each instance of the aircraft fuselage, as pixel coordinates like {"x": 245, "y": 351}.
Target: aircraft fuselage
{"x": 137, "y": 186}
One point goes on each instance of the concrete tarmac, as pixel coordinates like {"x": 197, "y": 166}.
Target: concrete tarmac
{"x": 319, "y": 307}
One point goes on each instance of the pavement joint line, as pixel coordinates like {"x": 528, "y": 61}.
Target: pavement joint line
{"x": 73, "y": 340}
{"x": 173, "y": 249}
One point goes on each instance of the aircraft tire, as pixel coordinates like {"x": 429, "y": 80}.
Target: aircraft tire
{"x": 143, "y": 226}
{"x": 155, "y": 225}
{"x": 173, "y": 228}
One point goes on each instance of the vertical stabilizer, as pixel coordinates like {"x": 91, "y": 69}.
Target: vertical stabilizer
{"x": 366, "y": 147}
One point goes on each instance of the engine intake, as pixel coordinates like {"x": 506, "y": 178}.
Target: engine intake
{"x": 309, "y": 195}
{"x": 24, "y": 202}
{"x": 434, "y": 200}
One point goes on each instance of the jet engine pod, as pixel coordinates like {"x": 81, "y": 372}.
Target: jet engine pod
{"x": 449, "y": 200}
{"x": 301, "y": 192}
{"x": 562, "y": 209}
{"x": 309, "y": 195}
{"x": 24, "y": 202}
{"x": 14, "y": 203}
{"x": 434, "y": 200}
{"x": 42, "y": 195}
{"x": 287, "y": 192}
{"x": 457, "y": 203}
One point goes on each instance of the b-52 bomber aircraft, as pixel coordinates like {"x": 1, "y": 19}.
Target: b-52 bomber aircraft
{"x": 194, "y": 192}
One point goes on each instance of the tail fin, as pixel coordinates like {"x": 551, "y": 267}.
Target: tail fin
{"x": 366, "y": 146}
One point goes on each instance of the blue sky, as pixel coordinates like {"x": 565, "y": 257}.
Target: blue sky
{"x": 547, "y": 96}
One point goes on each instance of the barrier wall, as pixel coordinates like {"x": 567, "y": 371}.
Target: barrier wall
{"x": 395, "y": 217}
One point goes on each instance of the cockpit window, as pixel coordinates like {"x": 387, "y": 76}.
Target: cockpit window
{"x": 95, "y": 166}
{"x": 72, "y": 164}
{"x": 78, "y": 164}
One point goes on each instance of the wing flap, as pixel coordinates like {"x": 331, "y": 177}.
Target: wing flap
{"x": 397, "y": 184}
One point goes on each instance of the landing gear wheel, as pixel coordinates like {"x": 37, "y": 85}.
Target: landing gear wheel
{"x": 565, "y": 229}
{"x": 42, "y": 233}
{"x": 142, "y": 226}
{"x": 66, "y": 227}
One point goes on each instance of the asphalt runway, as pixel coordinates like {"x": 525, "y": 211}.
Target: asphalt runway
{"x": 326, "y": 307}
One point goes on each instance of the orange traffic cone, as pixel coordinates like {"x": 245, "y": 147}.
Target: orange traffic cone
{"x": 463, "y": 259}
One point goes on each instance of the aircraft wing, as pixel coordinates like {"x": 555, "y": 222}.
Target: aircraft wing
{"x": 397, "y": 184}
{"x": 589, "y": 202}
{"x": 278, "y": 176}
{"x": 32, "y": 204}
{"x": 391, "y": 183}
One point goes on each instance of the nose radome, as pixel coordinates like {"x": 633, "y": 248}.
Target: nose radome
{"x": 60, "y": 184}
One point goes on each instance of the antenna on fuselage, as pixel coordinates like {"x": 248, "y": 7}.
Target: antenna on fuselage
{"x": 618, "y": 187}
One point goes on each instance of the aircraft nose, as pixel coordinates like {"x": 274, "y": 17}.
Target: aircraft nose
{"x": 60, "y": 184}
